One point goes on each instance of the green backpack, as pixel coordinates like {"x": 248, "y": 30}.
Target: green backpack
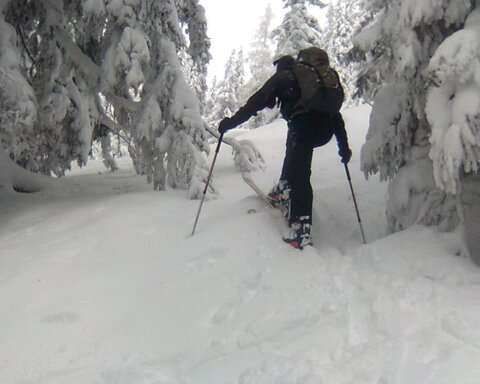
{"x": 320, "y": 87}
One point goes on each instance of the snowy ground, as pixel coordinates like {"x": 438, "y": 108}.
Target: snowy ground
{"x": 100, "y": 283}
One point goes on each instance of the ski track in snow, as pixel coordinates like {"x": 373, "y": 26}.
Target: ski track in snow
{"x": 100, "y": 282}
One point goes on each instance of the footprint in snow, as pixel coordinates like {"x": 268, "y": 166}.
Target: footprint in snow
{"x": 456, "y": 327}
{"x": 61, "y": 318}
{"x": 224, "y": 313}
{"x": 207, "y": 259}
{"x": 250, "y": 287}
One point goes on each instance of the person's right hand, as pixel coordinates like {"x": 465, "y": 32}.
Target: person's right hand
{"x": 345, "y": 154}
{"x": 225, "y": 125}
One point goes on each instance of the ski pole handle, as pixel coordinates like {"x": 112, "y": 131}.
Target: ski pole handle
{"x": 220, "y": 139}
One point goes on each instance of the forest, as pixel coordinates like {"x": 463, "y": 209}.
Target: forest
{"x": 123, "y": 77}
{"x": 109, "y": 117}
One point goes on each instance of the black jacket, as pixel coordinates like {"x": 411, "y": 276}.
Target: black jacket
{"x": 282, "y": 89}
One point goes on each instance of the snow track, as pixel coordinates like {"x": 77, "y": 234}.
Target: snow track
{"x": 100, "y": 282}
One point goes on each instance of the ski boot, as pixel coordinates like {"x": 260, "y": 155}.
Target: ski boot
{"x": 299, "y": 235}
{"x": 278, "y": 193}
{"x": 285, "y": 208}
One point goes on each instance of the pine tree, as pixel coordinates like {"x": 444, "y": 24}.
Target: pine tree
{"x": 193, "y": 15}
{"x": 210, "y": 102}
{"x": 344, "y": 20}
{"x": 239, "y": 71}
{"x": 112, "y": 63}
{"x": 413, "y": 47}
{"x": 226, "y": 100}
{"x": 260, "y": 55}
{"x": 18, "y": 109}
{"x": 260, "y": 60}
{"x": 298, "y": 29}
{"x": 453, "y": 105}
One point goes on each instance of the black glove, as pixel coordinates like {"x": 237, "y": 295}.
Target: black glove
{"x": 225, "y": 125}
{"x": 345, "y": 154}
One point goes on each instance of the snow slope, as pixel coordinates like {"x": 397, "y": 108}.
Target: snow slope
{"x": 101, "y": 283}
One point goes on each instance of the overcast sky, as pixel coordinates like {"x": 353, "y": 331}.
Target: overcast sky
{"x": 232, "y": 25}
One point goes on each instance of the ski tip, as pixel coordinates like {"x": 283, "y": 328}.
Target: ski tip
{"x": 246, "y": 175}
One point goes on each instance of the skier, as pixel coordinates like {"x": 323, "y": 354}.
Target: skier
{"x": 306, "y": 131}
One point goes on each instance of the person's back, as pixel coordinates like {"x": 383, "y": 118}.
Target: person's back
{"x": 320, "y": 86}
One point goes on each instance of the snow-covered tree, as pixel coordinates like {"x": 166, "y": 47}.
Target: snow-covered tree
{"x": 369, "y": 78}
{"x": 114, "y": 63}
{"x": 194, "y": 80}
{"x": 210, "y": 102}
{"x": 239, "y": 71}
{"x": 344, "y": 20}
{"x": 426, "y": 55}
{"x": 197, "y": 50}
{"x": 453, "y": 105}
{"x": 226, "y": 95}
{"x": 260, "y": 58}
{"x": 18, "y": 109}
{"x": 298, "y": 29}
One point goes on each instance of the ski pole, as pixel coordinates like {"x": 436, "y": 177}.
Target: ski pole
{"x": 355, "y": 203}
{"x": 207, "y": 183}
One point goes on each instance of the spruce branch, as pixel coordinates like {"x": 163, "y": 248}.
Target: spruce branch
{"x": 20, "y": 33}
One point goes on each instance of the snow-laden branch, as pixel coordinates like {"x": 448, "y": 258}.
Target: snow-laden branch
{"x": 453, "y": 106}
{"x": 18, "y": 178}
{"x": 90, "y": 70}
{"x": 115, "y": 63}
{"x": 122, "y": 102}
{"x": 111, "y": 124}
{"x": 246, "y": 156}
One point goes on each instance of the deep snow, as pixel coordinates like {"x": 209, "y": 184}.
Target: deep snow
{"x": 100, "y": 282}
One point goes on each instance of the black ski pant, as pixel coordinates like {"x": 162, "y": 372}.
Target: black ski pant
{"x": 305, "y": 132}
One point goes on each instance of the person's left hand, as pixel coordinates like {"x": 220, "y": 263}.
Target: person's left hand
{"x": 225, "y": 125}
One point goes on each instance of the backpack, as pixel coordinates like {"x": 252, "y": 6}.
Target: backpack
{"x": 320, "y": 87}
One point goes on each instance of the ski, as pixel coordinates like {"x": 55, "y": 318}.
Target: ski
{"x": 260, "y": 193}
{"x": 248, "y": 179}
{"x": 251, "y": 183}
